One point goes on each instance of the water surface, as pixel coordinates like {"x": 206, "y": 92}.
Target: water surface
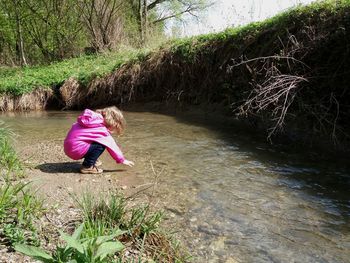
{"x": 231, "y": 196}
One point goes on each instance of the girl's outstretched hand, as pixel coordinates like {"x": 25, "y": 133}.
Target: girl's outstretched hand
{"x": 128, "y": 163}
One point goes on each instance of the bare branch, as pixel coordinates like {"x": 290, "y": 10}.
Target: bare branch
{"x": 266, "y": 58}
{"x": 189, "y": 9}
{"x": 154, "y": 4}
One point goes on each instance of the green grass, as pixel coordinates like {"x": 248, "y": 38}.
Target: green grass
{"x": 110, "y": 225}
{"x": 112, "y": 213}
{"x": 106, "y": 214}
{"x": 23, "y": 80}
{"x": 19, "y": 209}
{"x": 85, "y": 68}
{"x": 97, "y": 249}
{"x": 189, "y": 47}
{"x": 11, "y": 167}
{"x": 109, "y": 228}
{"x": 19, "y": 206}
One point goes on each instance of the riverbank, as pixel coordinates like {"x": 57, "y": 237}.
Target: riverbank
{"x": 286, "y": 76}
{"x": 45, "y": 196}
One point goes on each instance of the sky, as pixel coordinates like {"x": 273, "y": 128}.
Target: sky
{"x": 228, "y": 13}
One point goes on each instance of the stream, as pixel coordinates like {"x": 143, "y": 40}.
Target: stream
{"x": 231, "y": 196}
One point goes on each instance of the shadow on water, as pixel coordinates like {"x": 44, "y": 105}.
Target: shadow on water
{"x": 67, "y": 167}
{"x": 323, "y": 175}
{"x": 318, "y": 173}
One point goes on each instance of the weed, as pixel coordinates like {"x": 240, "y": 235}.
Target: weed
{"x": 19, "y": 208}
{"x": 141, "y": 227}
{"x": 77, "y": 249}
{"x": 9, "y": 160}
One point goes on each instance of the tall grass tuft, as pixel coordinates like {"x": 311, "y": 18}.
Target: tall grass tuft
{"x": 19, "y": 207}
{"x": 9, "y": 161}
{"x": 106, "y": 215}
{"x": 19, "y": 210}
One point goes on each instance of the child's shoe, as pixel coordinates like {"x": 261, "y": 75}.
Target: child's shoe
{"x": 98, "y": 163}
{"x": 90, "y": 170}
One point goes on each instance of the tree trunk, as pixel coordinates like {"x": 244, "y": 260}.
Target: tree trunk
{"x": 145, "y": 21}
{"x": 20, "y": 44}
{"x": 140, "y": 18}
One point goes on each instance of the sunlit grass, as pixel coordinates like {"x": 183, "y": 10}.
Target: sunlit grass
{"x": 9, "y": 161}
{"x": 305, "y": 14}
{"x": 84, "y": 68}
{"x": 106, "y": 215}
{"x": 19, "y": 208}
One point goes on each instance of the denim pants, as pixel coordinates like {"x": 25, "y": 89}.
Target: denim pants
{"x": 93, "y": 153}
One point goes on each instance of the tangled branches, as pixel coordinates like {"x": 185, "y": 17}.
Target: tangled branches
{"x": 276, "y": 93}
{"x": 273, "y": 91}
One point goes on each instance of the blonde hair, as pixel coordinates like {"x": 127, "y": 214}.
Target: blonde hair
{"x": 114, "y": 119}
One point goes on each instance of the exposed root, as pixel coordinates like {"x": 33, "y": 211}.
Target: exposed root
{"x": 276, "y": 94}
{"x": 39, "y": 99}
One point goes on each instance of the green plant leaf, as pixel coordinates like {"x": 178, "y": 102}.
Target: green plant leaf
{"x": 71, "y": 242}
{"x": 78, "y": 231}
{"x": 102, "y": 239}
{"x": 34, "y": 252}
{"x": 108, "y": 248}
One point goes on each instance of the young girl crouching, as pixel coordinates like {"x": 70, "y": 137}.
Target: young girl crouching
{"x": 91, "y": 135}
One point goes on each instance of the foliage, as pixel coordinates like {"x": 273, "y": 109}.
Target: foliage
{"x": 141, "y": 226}
{"x": 44, "y": 31}
{"x": 19, "y": 208}
{"x": 102, "y": 216}
{"x": 107, "y": 224}
{"x": 77, "y": 249}
{"x": 191, "y": 47}
{"x": 9, "y": 160}
{"x": 84, "y": 69}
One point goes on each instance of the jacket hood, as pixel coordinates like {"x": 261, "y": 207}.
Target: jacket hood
{"x": 90, "y": 119}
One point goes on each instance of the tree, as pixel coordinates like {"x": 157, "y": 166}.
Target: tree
{"x": 40, "y": 30}
{"x": 168, "y": 9}
{"x": 152, "y": 13}
{"x": 15, "y": 15}
{"x": 54, "y": 26}
{"x": 103, "y": 21}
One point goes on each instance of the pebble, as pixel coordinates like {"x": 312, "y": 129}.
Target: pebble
{"x": 231, "y": 260}
{"x": 219, "y": 244}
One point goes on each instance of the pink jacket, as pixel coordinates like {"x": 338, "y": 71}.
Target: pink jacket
{"x": 90, "y": 128}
